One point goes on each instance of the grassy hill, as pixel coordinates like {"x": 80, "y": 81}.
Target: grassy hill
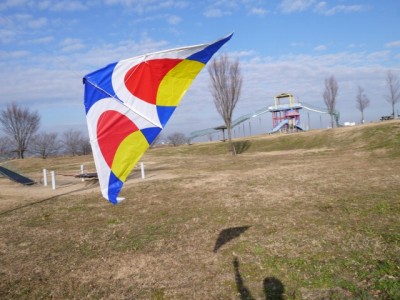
{"x": 313, "y": 215}
{"x": 383, "y": 136}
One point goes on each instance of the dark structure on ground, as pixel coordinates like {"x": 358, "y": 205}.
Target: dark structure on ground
{"x": 16, "y": 177}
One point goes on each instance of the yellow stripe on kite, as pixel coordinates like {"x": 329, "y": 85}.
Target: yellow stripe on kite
{"x": 176, "y": 82}
{"x": 129, "y": 152}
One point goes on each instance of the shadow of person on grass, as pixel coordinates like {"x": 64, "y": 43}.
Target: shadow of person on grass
{"x": 242, "y": 289}
{"x": 273, "y": 287}
{"x": 227, "y": 235}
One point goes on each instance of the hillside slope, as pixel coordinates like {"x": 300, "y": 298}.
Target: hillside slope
{"x": 383, "y": 137}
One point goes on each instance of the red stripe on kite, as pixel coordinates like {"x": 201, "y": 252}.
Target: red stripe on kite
{"x": 143, "y": 80}
{"x": 112, "y": 128}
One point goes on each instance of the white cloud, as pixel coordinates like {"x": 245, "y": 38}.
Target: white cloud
{"x": 213, "y": 12}
{"x": 60, "y": 5}
{"x": 6, "y": 36}
{"x": 18, "y": 28}
{"x": 143, "y": 6}
{"x": 298, "y": 44}
{"x": 174, "y": 20}
{"x": 13, "y": 54}
{"x": 102, "y": 55}
{"x": 257, "y": 11}
{"x": 242, "y": 54}
{"x": 71, "y": 45}
{"x": 37, "y": 23}
{"x": 354, "y": 46}
{"x": 220, "y": 8}
{"x": 393, "y": 44}
{"x": 52, "y": 5}
{"x": 290, "y": 6}
{"x": 25, "y": 21}
{"x": 322, "y": 7}
{"x": 42, "y": 40}
{"x": 121, "y": 2}
{"x": 9, "y": 4}
{"x": 379, "y": 55}
{"x": 320, "y": 48}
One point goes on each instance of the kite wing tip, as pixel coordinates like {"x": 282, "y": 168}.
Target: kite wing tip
{"x": 116, "y": 201}
{"x": 113, "y": 200}
{"x": 228, "y": 37}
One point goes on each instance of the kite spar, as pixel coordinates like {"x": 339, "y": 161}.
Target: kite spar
{"x": 129, "y": 102}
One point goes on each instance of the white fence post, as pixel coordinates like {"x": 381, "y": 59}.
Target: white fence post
{"x": 53, "y": 180}
{"x": 142, "y": 169}
{"x": 82, "y": 173}
{"x": 44, "y": 177}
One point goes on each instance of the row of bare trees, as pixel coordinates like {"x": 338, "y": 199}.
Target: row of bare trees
{"x": 362, "y": 100}
{"x": 20, "y": 127}
{"x": 21, "y": 136}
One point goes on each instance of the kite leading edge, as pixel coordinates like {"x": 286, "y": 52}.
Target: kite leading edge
{"x": 129, "y": 102}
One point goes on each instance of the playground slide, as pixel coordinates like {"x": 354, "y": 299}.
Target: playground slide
{"x": 279, "y": 126}
{"x": 298, "y": 126}
{"x": 15, "y": 176}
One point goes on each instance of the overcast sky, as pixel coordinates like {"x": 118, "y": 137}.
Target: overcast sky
{"x": 47, "y": 46}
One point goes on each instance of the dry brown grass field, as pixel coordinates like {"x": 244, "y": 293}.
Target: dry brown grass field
{"x": 311, "y": 215}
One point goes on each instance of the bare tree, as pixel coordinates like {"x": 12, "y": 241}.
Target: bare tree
{"x": 45, "y": 144}
{"x": 177, "y": 139}
{"x": 5, "y": 147}
{"x": 72, "y": 141}
{"x": 226, "y": 85}
{"x": 330, "y": 93}
{"x": 85, "y": 148}
{"x": 362, "y": 102}
{"x": 19, "y": 124}
{"x": 393, "y": 84}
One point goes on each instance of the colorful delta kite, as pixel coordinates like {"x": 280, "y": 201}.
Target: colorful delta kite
{"x": 129, "y": 102}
